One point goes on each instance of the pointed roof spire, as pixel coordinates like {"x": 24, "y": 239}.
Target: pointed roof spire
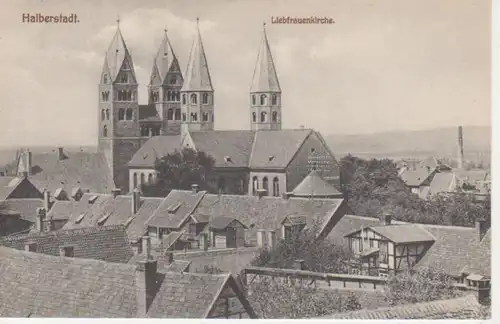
{"x": 197, "y": 76}
{"x": 265, "y": 78}
{"x": 117, "y": 53}
{"x": 165, "y": 57}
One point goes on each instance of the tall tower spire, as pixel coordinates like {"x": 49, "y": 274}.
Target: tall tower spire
{"x": 118, "y": 109}
{"x": 460, "y": 148}
{"x": 164, "y": 87}
{"x": 197, "y": 93}
{"x": 265, "y": 92}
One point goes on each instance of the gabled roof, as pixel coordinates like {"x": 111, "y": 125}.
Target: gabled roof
{"x": 479, "y": 260}
{"x": 443, "y": 182}
{"x": 156, "y": 147}
{"x": 417, "y": 177}
{"x": 466, "y": 307}
{"x": 24, "y": 206}
{"x": 31, "y": 282}
{"x": 168, "y": 217}
{"x": 107, "y": 243}
{"x": 222, "y": 222}
{"x": 314, "y": 186}
{"x": 265, "y": 78}
{"x": 165, "y": 60}
{"x": 7, "y": 185}
{"x": 87, "y": 170}
{"x": 281, "y": 145}
{"x": 197, "y": 75}
{"x": 404, "y": 233}
{"x": 236, "y": 145}
{"x": 118, "y": 54}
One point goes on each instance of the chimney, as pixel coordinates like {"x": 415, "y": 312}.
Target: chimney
{"x": 66, "y": 251}
{"x": 204, "y": 241}
{"x": 30, "y": 247}
{"x": 483, "y": 292}
{"x": 136, "y": 200}
{"x": 299, "y": 265}
{"x": 460, "y": 148}
{"x": 24, "y": 174}
{"x": 481, "y": 228}
{"x": 146, "y": 247}
{"x": 387, "y": 219}
{"x": 116, "y": 192}
{"x": 60, "y": 153}
{"x": 46, "y": 200}
{"x": 40, "y": 217}
{"x": 146, "y": 284}
{"x": 195, "y": 188}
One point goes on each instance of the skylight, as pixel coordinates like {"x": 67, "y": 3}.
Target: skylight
{"x": 173, "y": 208}
{"x": 92, "y": 199}
{"x": 103, "y": 219}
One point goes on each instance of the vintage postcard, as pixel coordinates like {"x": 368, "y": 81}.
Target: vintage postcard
{"x": 245, "y": 159}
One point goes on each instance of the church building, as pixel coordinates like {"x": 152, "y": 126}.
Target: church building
{"x": 181, "y": 110}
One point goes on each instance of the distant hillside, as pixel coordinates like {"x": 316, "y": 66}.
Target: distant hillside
{"x": 436, "y": 142}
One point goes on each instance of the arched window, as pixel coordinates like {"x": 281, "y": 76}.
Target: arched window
{"x": 254, "y": 100}
{"x": 143, "y": 179}
{"x": 194, "y": 99}
{"x": 265, "y": 184}
{"x": 134, "y": 95}
{"x": 205, "y": 116}
{"x": 105, "y": 78}
{"x": 275, "y": 116}
{"x": 254, "y": 117}
{"x": 263, "y": 99}
{"x": 263, "y": 116}
{"x": 205, "y": 99}
{"x": 170, "y": 114}
{"x": 194, "y": 117}
{"x": 129, "y": 114}
{"x": 121, "y": 114}
{"x": 135, "y": 180}
{"x": 103, "y": 115}
{"x": 178, "y": 114}
{"x": 221, "y": 185}
{"x": 177, "y": 96}
{"x": 150, "y": 178}
{"x": 105, "y": 95}
{"x": 107, "y": 114}
{"x": 105, "y": 131}
{"x": 276, "y": 187}
{"x": 255, "y": 185}
{"x": 129, "y": 95}
{"x": 184, "y": 99}
{"x": 274, "y": 99}
{"x": 183, "y": 116}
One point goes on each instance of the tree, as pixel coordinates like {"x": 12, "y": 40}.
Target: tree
{"x": 275, "y": 299}
{"x": 318, "y": 255}
{"x": 180, "y": 170}
{"x": 423, "y": 285}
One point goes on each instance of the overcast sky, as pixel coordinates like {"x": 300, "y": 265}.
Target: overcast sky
{"x": 384, "y": 65}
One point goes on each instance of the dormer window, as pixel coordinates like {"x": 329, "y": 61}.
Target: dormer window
{"x": 227, "y": 159}
{"x": 92, "y": 199}
{"x": 103, "y": 219}
{"x": 79, "y": 219}
{"x": 271, "y": 157}
{"x": 172, "y": 209}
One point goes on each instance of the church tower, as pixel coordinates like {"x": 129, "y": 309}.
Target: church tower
{"x": 197, "y": 93}
{"x": 265, "y": 92}
{"x": 164, "y": 88}
{"x": 118, "y": 124}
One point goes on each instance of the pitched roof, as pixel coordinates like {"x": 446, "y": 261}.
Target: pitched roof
{"x": 156, "y": 147}
{"x": 466, "y": 307}
{"x": 106, "y": 210}
{"x": 222, "y": 222}
{"x": 471, "y": 176}
{"x": 7, "y": 185}
{"x": 407, "y": 233}
{"x": 479, "y": 260}
{"x": 314, "y": 186}
{"x": 165, "y": 60}
{"x": 107, "y": 243}
{"x": 25, "y": 206}
{"x": 265, "y": 78}
{"x": 415, "y": 178}
{"x": 87, "y": 170}
{"x": 443, "y": 182}
{"x": 235, "y": 145}
{"x": 175, "y": 208}
{"x": 280, "y": 145}
{"x": 164, "y": 265}
{"x": 197, "y": 75}
{"x": 62, "y": 209}
{"x": 117, "y": 54}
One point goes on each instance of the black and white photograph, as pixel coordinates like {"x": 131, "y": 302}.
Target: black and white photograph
{"x": 246, "y": 159}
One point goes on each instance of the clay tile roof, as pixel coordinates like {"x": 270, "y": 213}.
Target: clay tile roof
{"x": 197, "y": 291}
{"x": 222, "y": 222}
{"x": 62, "y": 209}
{"x": 443, "y": 182}
{"x": 155, "y": 148}
{"x": 314, "y": 186}
{"x": 479, "y": 260}
{"x": 187, "y": 201}
{"x": 107, "y": 243}
{"x": 466, "y": 307}
{"x": 416, "y": 177}
{"x": 409, "y": 233}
